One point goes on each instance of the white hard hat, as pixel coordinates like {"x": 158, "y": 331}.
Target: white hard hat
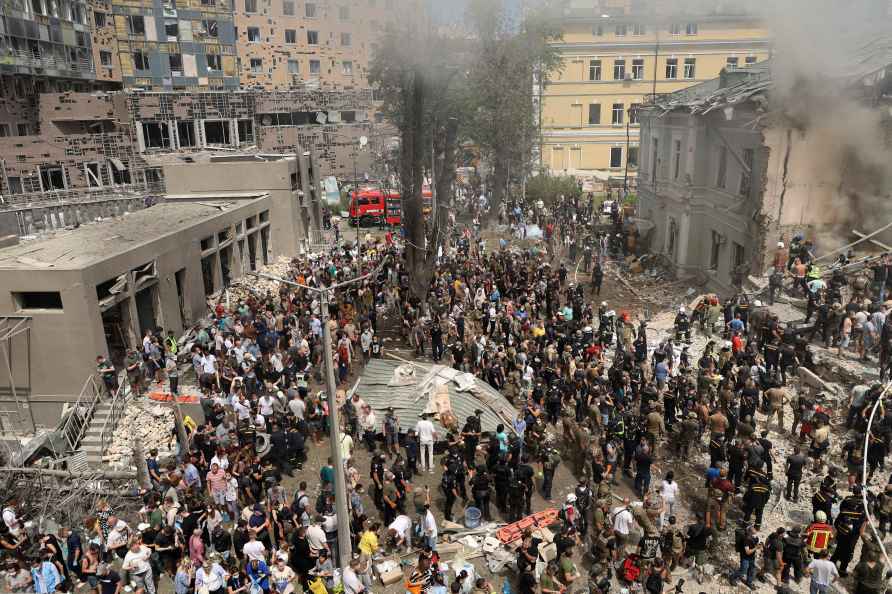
{"x": 603, "y": 304}
{"x": 757, "y": 303}
{"x": 681, "y": 309}
{"x": 571, "y": 498}
{"x": 780, "y": 244}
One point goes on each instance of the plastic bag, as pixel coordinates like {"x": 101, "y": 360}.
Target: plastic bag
{"x": 317, "y": 586}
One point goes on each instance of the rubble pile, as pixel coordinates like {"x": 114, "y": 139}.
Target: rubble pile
{"x": 252, "y": 285}
{"x": 150, "y": 422}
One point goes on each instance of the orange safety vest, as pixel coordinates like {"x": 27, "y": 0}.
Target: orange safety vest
{"x": 819, "y": 535}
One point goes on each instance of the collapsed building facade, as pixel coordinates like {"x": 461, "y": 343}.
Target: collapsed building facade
{"x": 734, "y": 165}
{"x": 101, "y": 153}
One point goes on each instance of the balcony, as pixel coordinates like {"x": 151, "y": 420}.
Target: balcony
{"x": 36, "y": 60}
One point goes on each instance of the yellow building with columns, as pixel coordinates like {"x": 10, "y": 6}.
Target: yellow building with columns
{"x": 615, "y": 54}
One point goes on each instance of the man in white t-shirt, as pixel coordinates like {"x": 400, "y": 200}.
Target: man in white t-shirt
{"x": 623, "y": 521}
{"x": 823, "y": 573}
{"x": 352, "y": 582}
{"x": 297, "y": 407}
{"x": 316, "y": 535}
{"x": 400, "y": 531}
{"x": 136, "y": 564}
{"x": 254, "y": 549}
{"x": 426, "y": 436}
{"x": 430, "y": 528}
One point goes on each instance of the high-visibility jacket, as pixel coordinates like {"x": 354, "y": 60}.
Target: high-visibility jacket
{"x": 818, "y": 537}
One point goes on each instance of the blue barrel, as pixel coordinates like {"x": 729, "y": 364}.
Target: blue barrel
{"x": 472, "y": 517}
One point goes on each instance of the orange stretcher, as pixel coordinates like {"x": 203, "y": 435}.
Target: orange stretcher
{"x": 168, "y": 397}
{"x": 541, "y": 519}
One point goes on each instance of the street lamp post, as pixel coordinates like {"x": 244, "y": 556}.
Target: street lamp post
{"x": 334, "y": 429}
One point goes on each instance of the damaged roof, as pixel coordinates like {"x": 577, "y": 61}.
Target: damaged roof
{"x": 865, "y": 62}
{"x": 94, "y": 242}
{"x": 411, "y": 394}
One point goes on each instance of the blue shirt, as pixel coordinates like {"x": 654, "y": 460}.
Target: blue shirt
{"x": 46, "y": 579}
{"x": 191, "y": 475}
{"x": 736, "y": 325}
{"x": 712, "y": 473}
{"x": 662, "y": 371}
{"x": 260, "y": 575}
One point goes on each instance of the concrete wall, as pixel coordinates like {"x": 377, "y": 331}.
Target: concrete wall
{"x": 272, "y": 176}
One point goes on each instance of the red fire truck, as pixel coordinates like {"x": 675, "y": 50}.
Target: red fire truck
{"x": 369, "y": 205}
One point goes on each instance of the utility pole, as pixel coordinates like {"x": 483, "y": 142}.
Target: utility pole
{"x": 345, "y": 549}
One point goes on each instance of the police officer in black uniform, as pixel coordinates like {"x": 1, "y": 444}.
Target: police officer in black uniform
{"x": 757, "y": 494}
{"x": 848, "y": 529}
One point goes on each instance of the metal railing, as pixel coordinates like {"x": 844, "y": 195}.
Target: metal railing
{"x": 119, "y": 403}
{"x": 32, "y": 59}
{"x": 110, "y": 192}
{"x": 80, "y": 415}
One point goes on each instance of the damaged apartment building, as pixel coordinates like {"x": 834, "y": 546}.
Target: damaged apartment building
{"x": 96, "y": 147}
{"x": 735, "y": 164}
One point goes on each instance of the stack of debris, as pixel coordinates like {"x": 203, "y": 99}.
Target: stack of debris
{"x": 152, "y": 423}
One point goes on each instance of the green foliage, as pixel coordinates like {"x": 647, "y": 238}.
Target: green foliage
{"x": 548, "y": 188}
{"x": 631, "y": 199}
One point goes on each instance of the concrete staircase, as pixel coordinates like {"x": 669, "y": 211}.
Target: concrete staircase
{"x": 91, "y": 444}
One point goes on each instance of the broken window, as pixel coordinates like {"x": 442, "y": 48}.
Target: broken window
{"x": 731, "y": 63}
{"x": 638, "y": 29}
{"x": 632, "y": 158}
{"x": 716, "y": 250}
{"x": 216, "y": 132}
{"x": 690, "y": 67}
{"x": 616, "y": 156}
{"x": 4, "y": 130}
{"x": 288, "y": 7}
{"x": 256, "y": 65}
{"x": 676, "y": 160}
{"x": 246, "y": 131}
{"x": 638, "y": 68}
{"x": 119, "y": 171}
{"x": 672, "y": 68}
{"x": 52, "y": 178}
{"x": 621, "y": 30}
{"x": 750, "y": 60}
{"x": 290, "y": 36}
{"x": 186, "y": 133}
{"x": 746, "y": 174}
{"x": 136, "y": 25}
{"x": 155, "y": 135}
{"x": 38, "y": 300}
{"x": 594, "y": 113}
{"x": 619, "y": 69}
{"x": 214, "y": 62}
{"x": 348, "y": 117}
{"x": 210, "y": 28}
{"x": 690, "y": 29}
{"x": 14, "y": 184}
{"x": 254, "y": 34}
{"x": 171, "y": 28}
{"x": 722, "y": 167}
{"x": 617, "y": 116}
{"x": 105, "y": 58}
{"x": 347, "y": 68}
{"x": 250, "y": 5}
{"x": 634, "y": 108}
{"x": 594, "y": 69}
{"x": 140, "y": 60}
{"x": 99, "y": 19}
{"x": 738, "y": 255}
{"x": 675, "y": 29}
{"x": 208, "y": 2}
{"x": 93, "y": 173}
{"x": 23, "y": 129}
{"x": 176, "y": 64}
{"x": 313, "y": 37}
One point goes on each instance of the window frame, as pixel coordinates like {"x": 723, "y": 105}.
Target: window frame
{"x": 594, "y": 69}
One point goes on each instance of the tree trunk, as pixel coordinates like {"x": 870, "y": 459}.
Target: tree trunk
{"x": 446, "y": 154}
{"x": 411, "y": 177}
{"x": 499, "y": 182}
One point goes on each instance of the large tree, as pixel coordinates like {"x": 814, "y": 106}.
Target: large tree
{"x": 511, "y": 55}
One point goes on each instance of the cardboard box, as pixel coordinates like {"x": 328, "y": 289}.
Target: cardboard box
{"x": 392, "y": 577}
{"x": 548, "y": 552}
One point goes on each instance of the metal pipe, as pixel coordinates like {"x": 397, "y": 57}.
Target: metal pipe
{"x": 847, "y": 246}
{"x": 864, "y": 477}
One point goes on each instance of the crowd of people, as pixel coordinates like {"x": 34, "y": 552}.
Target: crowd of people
{"x": 596, "y": 391}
